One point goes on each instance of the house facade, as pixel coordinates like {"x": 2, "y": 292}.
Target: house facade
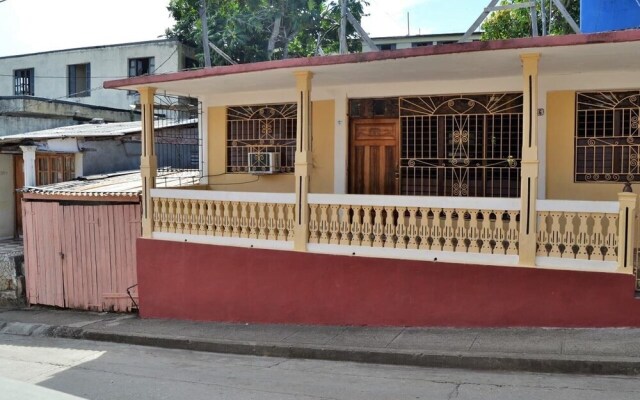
{"x": 474, "y": 184}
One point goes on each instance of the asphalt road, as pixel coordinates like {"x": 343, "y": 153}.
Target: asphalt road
{"x": 112, "y": 371}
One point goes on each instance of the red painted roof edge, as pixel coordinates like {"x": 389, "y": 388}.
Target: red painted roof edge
{"x": 630, "y": 35}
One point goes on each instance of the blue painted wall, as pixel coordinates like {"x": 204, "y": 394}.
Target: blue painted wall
{"x": 609, "y": 15}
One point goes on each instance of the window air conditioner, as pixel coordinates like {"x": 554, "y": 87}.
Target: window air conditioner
{"x": 264, "y": 163}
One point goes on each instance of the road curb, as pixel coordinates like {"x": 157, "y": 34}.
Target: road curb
{"x": 527, "y": 363}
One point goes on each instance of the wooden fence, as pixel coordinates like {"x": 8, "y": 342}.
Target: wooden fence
{"x": 81, "y": 255}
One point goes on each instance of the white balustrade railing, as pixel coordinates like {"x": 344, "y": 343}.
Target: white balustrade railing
{"x": 578, "y": 230}
{"x": 463, "y": 225}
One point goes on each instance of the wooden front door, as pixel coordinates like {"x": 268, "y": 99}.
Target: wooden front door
{"x": 373, "y": 157}
{"x": 18, "y": 179}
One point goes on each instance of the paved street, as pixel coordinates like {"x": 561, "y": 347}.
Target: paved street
{"x": 112, "y": 371}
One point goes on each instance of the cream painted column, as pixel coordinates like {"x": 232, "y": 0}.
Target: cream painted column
{"x": 303, "y": 163}
{"x": 148, "y": 160}
{"x": 529, "y": 170}
{"x": 626, "y": 231}
{"x": 29, "y": 160}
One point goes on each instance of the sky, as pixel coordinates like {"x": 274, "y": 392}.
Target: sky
{"x": 28, "y": 26}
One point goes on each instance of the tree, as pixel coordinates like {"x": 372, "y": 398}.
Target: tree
{"x": 506, "y": 24}
{"x": 259, "y": 30}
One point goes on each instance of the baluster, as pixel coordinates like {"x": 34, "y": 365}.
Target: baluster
{"x": 235, "y": 218}
{"x": 412, "y": 229}
{"x": 171, "y": 218}
{"x": 499, "y": 233}
{"x": 568, "y": 238}
{"x": 313, "y": 223}
{"x": 597, "y": 238}
{"x": 356, "y": 226}
{"x": 556, "y": 235}
{"x": 447, "y": 230}
{"x": 324, "y": 224}
{"x": 402, "y": 224}
{"x": 367, "y": 227}
{"x": 390, "y": 229}
{"x": 378, "y": 226}
{"x": 262, "y": 221}
{"x": 193, "y": 218}
{"x": 164, "y": 216}
{"x": 345, "y": 224}
{"x": 436, "y": 229}
{"x": 202, "y": 217}
{"x": 334, "y": 225}
{"x": 461, "y": 232}
{"x": 210, "y": 218}
{"x": 611, "y": 239}
{"x": 291, "y": 222}
{"x": 244, "y": 220}
{"x": 424, "y": 230}
{"x": 473, "y": 232}
{"x": 226, "y": 218}
{"x": 179, "y": 217}
{"x": 281, "y": 223}
{"x": 155, "y": 218}
{"x": 513, "y": 232}
{"x": 271, "y": 222}
{"x": 253, "y": 220}
{"x": 218, "y": 219}
{"x": 486, "y": 233}
{"x": 583, "y": 239}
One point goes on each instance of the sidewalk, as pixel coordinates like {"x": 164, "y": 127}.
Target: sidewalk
{"x": 590, "y": 351}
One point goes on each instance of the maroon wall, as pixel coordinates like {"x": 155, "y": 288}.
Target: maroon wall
{"x": 217, "y": 283}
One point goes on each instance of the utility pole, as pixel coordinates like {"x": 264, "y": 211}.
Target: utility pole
{"x": 343, "y": 27}
{"x": 205, "y": 33}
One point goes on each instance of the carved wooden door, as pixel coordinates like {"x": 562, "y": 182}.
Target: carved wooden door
{"x": 373, "y": 157}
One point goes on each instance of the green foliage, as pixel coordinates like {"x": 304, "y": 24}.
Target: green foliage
{"x": 259, "y": 30}
{"x": 506, "y": 24}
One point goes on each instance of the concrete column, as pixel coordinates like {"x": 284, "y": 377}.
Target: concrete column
{"x": 626, "y": 231}
{"x": 148, "y": 160}
{"x": 303, "y": 162}
{"x": 29, "y": 159}
{"x": 79, "y": 164}
{"x": 529, "y": 170}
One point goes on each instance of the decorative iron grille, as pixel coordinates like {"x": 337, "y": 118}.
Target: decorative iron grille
{"x": 177, "y": 132}
{"x": 465, "y": 145}
{"x": 607, "y": 137}
{"x": 261, "y": 129}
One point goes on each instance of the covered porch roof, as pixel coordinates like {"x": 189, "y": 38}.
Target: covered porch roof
{"x": 488, "y": 59}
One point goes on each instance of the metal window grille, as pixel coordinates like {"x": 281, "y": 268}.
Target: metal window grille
{"x": 607, "y": 138}
{"x": 465, "y": 145}
{"x": 178, "y": 137}
{"x": 261, "y": 129}
{"x": 23, "y": 80}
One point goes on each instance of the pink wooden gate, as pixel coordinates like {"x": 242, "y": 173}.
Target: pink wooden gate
{"x": 79, "y": 255}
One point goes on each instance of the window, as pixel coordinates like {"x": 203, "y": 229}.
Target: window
{"x": 422, "y": 44}
{"x": 23, "y": 82}
{"x": 389, "y": 46}
{"x": 54, "y": 168}
{"x": 261, "y": 129}
{"x": 607, "y": 137}
{"x": 141, "y": 66}
{"x": 466, "y": 145}
{"x": 79, "y": 80}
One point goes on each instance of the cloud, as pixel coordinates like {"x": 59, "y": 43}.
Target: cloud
{"x": 389, "y": 17}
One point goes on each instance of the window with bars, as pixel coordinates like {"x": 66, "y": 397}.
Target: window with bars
{"x": 261, "y": 129}
{"x": 79, "y": 80}
{"x": 465, "y": 145}
{"x": 23, "y": 82}
{"x": 607, "y": 137}
{"x": 54, "y": 168}
{"x": 141, "y": 66}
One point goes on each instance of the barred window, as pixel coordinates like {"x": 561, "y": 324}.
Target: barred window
{"x": 261, "y": 129}
{"x": 607, "y": 138}
{"x": 23, "y": 82}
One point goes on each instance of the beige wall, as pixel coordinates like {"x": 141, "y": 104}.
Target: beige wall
{"x": 321, "y": 174}
{"x": 561, "y": 153}
{"x": 7, "y": 199}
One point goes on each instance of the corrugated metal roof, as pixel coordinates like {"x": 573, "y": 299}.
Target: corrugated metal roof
{"x": 126, "y": 183}
{"x": 93, "y": 130}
